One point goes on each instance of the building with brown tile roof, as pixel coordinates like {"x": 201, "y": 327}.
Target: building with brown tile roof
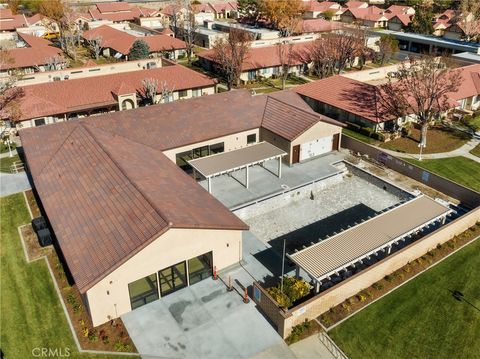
{"x": 263, "y": 61}
{"x": 35, "y": 56}
{"x": 10, "y": 22}
{"x": 118, "y": 43}
{"x": 121, "y": 209}
{"x": 69, "y": 98}
{"x": 119, "y": 12}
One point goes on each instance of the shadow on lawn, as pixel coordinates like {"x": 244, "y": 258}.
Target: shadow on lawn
{"x": 461, "y": 298}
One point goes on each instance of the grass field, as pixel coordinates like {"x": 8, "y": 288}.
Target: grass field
{"x": 359, "y": 136}
{"x": 421, "y": 319}
{"x": 32, "y": 316}
{"x": 459, "y": 169}
{"x": 476, "y": 151}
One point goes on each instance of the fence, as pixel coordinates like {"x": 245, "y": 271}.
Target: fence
{"x": 331, "y": 346}
{"x": 467, "y": 196}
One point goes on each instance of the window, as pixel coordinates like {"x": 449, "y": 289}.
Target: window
{"x": 251, "y": 75}
{"x": 183, "y": 93}
{"x": 252, "y": 138}
{"x": 196, "y": 92}
{"x": 173, "y": 278}
{"x": 39, "y": 122}
{"x": 143, "y": 291}
{"x": 217, "y": 148}
{"x": 182, "y": 158}
{"x": 200, "y": 268}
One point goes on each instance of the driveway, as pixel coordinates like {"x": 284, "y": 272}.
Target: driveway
{"x": 203, "y": 321}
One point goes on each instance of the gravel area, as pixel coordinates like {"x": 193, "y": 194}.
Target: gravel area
{"x": 337, "y": 206}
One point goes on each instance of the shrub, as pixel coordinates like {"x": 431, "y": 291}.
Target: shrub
{"x": 367, "y": 131}
{"x": 377, "y": 286}
{"x": 105, "y": 339}
{"x": 346, "y": 307}
{"x": 389, "y": 278}
{"x": 439, "y": 246}
{"x": 370, "y": 294}
{"x": 298, "y": 330}
{"x": 122, "y": 347}
{"x": 361, "y": 298}
{"x": 378, "y": 136}
{"x": 92, "y": 336}
{"x": 279, "y": 297}
{"x": 293, "y": 290}
{"x": 431, "y": 253}
{"x": 407, "y": 269}
{"x": 353, "y": 126}
{"x": 86, "y": 332}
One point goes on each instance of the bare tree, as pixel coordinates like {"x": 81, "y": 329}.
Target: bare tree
{"x": 54, "y": 63}
{"x": 10, "y": 94}
{"x": 229, "y": 55}
{"x": 166, "y": 93}
{"x": 150, "y": 90}
{"x": 286, "y": 57}
{"x": 469, "y": 21}
{"x": 95, "y": 46}
{"x": 420, "y": 90}
{"x": 189, "y": 29}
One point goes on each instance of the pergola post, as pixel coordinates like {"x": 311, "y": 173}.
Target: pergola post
{"x": 317, "y": 287}
{"x": 279, "y": 167}
{"x": 246, "y": 177}
{"x": 297, "y": 272}
{"x": 209, "y": 181}
{"x": 389, "y": 249}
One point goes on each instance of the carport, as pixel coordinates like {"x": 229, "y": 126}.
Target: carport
{"x": 331, "y": 256}
{"x": 227, "y": 162}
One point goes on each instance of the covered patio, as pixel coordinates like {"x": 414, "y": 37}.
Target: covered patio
{"x": 236, "y": 160}
{"x": 333, "y": 258}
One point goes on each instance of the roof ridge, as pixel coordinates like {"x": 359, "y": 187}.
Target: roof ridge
{"x": 47, "y": 163}
{"x": 120, "y": 168}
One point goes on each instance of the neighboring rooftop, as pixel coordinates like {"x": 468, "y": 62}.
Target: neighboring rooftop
{"x": 119, "y": 11}
{"x": 71, "y": 95}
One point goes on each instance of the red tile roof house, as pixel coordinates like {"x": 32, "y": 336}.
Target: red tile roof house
{"x": 117, "y": 43}
{"x": 262, "y": 62}
{"x": 316, "y": 9}
{"x": 119, "y": 12}
{"x": 371, "y": 16}
{"x": 125, "y": 216}
{"x": 227, "y": 10}
{"x": 10, "y": 22}
{"x": 36, "y": 56}
{"x": 58, "y": 101}
{"x": 349, "y": 100}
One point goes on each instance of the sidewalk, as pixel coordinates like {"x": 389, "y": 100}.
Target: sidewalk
{"x": 13, "y": 183}
{"x": 463, "y": 151}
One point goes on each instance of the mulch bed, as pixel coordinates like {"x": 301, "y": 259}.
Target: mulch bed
{"x": 111, "y": 336}
{"x": 302, "y": 331}
{"x": 380, "y": 288}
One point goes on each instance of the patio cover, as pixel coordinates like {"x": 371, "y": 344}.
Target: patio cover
{"x": 337, "y": 252}
{"x": 225, "y": 162}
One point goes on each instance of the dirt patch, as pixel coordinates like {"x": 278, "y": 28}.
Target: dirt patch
{"x": 395, "y": 279}
{"x": 439, "y": 139}
{"x": 32, "y": 203}
{"x": 34, "y": 250}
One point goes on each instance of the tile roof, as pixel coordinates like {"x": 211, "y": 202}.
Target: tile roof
{"x": 10, "y": 22}
{"x": 37, "y": 53}
{"x": 289, "y": 121}
{"x": 323, "y": 6}
{"x": 470, "y": 84}
{"x": 398, "y": 9}
{"x": 119, "y": 11}
{"x": 107, "y": 197}
{"x": 372, "y": 13}
{"x": 403, "y": 18}
{"x": 70, "y": 95}
{"x": 317, "y": 25}
{"x": 122, "y": 41}
{"x": 266, "y": 56}
{"x": 356, "y": 4}
{"x": 338, "y": 91}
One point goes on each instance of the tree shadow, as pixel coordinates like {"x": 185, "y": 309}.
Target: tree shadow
{"x": 362, "y": 99}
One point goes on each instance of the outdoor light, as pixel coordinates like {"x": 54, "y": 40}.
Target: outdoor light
{"x": 8, "y": 142}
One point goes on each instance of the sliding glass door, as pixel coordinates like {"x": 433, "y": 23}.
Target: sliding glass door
{"x": 143, "y": 291}
{"x": 200, "y": 268}
{"x": 172, "y": 278}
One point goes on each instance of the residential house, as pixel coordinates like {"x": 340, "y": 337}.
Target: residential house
{"x": 10, "y": 22}
{"x": 371, "y": 16}
{"x": 356, "y": 4}
{"x": 348, "y": 100}
{"x": 117, "y": 43}
{"x": 316, "y": 9}
{"x": 225, "y": 10}
{"x": 119, "y": 12}
{"x": 34, "y": 54}
{"x": 316, "y": 26}
{"x": 264, "y": 62}
{"x": 173, "y": 232}
{"x": 59, "y": 101}
{"x": 399, "y": 22}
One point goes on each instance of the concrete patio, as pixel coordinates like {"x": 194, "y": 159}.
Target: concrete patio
{"x": 229, "y": 189}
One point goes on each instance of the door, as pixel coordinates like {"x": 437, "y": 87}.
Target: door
{"x": 336, "y": 142}
{"x": 172, "y": 278}
{"x": 316, "y": 148}
{"x": 296, "y": 154}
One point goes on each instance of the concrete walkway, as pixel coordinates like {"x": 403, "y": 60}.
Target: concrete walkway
{"x": 463, "y": 151}
{"x": 311, "y": 347}
{"x": 13, "y": 183}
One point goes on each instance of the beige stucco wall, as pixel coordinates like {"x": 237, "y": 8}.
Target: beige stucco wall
{"x": 172, "y": 247}
{"x": 232, "y": 142}
{"x": 280, "y": 142}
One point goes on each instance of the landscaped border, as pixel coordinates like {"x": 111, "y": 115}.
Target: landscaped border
{"x": 57, "y": 289}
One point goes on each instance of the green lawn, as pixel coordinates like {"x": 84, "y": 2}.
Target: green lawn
{"x": 459, "y": 169}
{"x": 31, "y": 314}
{"x": 475, "y": 123}
{"x": 476, "y": 151}
{"x": 421, "y": 319}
